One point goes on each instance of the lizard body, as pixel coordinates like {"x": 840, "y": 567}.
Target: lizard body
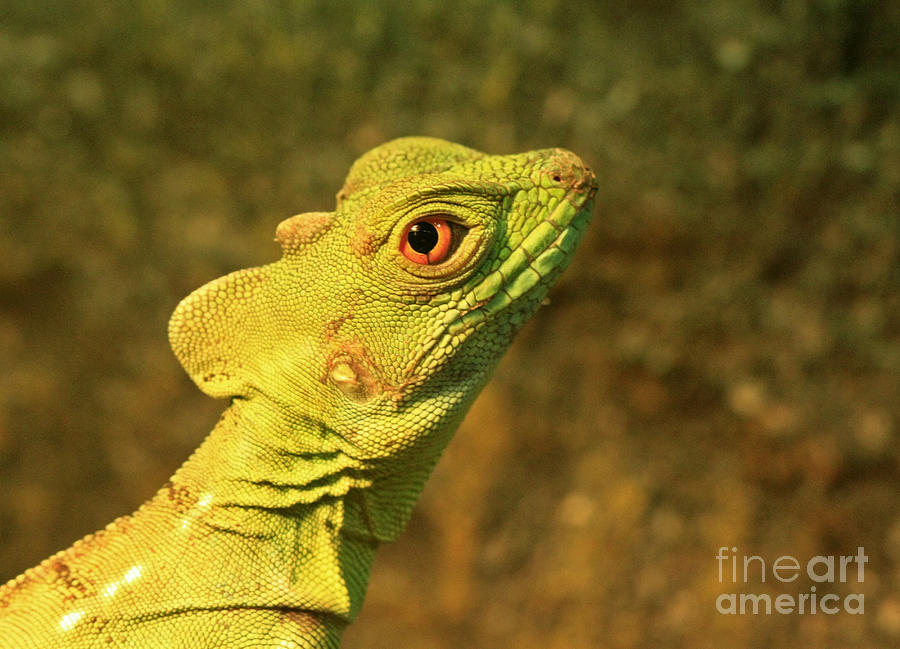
{"x": 348, "y": 363}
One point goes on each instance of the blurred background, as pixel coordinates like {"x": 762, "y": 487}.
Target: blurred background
{"x": 719, "y": 366}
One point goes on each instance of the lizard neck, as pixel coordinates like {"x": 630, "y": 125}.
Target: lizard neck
{"x": 263, "y": 516}
{"x": 280, "y": 507}
{"x": 262, "y": 461}
{"x": 257, "y": 459}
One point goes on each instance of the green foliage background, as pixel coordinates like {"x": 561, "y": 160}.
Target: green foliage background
{"x": 719, "y": 367}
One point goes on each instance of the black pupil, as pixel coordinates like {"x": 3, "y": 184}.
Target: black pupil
{"x": 423, "y": 237}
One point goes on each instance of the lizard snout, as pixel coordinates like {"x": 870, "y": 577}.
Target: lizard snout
{"x": 566, "y": 168}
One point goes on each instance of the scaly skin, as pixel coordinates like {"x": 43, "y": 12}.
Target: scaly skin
{"x": 349, "y": 367}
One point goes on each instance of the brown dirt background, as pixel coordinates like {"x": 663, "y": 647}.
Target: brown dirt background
{"x": 719, "y": 367}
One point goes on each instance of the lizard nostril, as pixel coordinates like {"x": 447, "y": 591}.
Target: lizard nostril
{"x": 566, "y": 168}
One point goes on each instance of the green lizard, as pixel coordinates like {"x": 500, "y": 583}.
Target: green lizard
{"x": 348, "y": 364}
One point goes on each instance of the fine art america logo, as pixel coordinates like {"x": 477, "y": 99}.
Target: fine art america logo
{"x": 819, "y": 570}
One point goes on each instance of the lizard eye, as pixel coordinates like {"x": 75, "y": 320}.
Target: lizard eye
{"x": 429, "y": 241}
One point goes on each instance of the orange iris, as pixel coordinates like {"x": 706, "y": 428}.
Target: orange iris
{"x": 427, "y": 241}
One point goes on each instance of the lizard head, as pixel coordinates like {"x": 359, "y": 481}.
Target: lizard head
{"x": 383, "y": 319}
